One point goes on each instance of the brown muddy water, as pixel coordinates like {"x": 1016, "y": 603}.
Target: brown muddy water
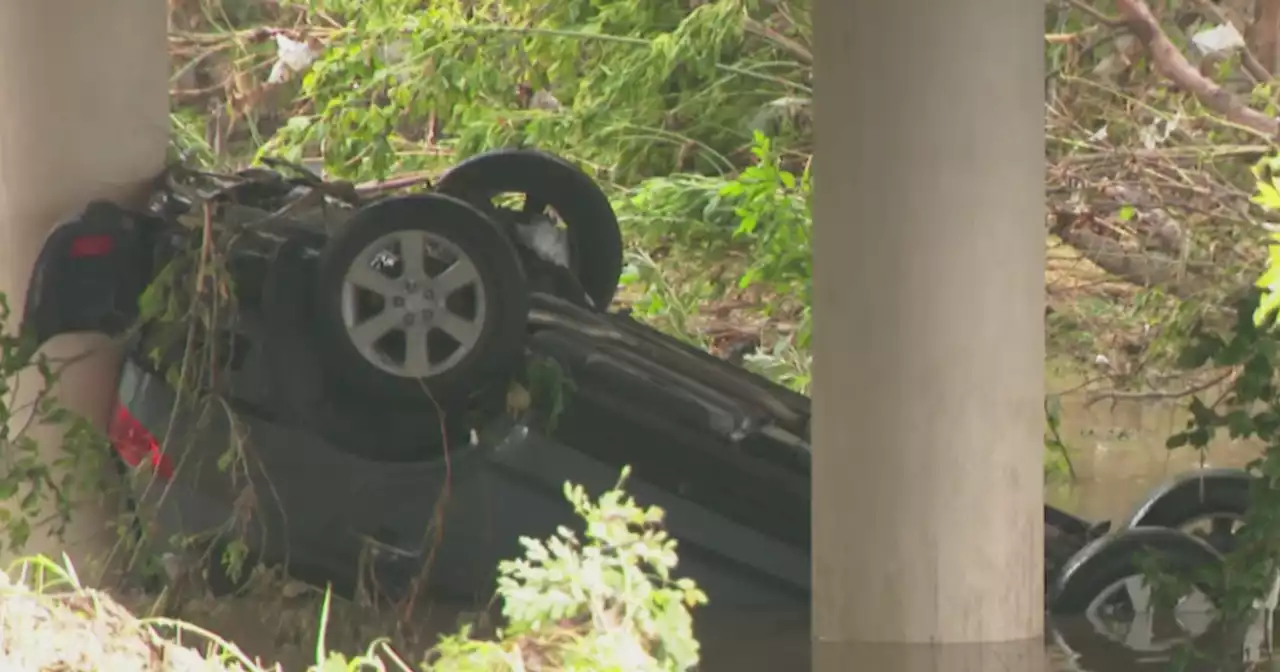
{"x": 1119, "y": 455}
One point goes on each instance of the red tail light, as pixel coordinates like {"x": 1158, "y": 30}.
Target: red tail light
{"x": 91, "y": 246}
{"x": 134, "y": 443}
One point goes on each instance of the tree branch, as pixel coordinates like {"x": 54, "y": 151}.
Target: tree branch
{"x": 1164, "y": 395}
{"x": 1170, "y": 62}
{"x": 1252, "y": 66}
{"x": 1096, "y": 13}
{"x": 799, "y": 51}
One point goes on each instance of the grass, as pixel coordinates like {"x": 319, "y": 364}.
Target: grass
{"x": 49, "y": 621}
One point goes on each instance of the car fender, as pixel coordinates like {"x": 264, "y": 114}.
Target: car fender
{"x": 1220, "y": 477}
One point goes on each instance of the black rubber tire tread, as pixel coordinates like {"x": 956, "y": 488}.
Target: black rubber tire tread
{"x": 574, "y": 195}
{"x": 503, "y": 335}
{"x": 1115, "y": 557}
{"x": 1189, "y": 500}
{"x": 1195, "y": 498}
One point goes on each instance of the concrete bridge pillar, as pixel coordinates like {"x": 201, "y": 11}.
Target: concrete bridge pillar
{"x": 83, "y": 115}
{"x": 929, "y": 337}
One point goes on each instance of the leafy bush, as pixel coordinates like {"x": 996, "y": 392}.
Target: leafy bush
{"x": 1240, "y": 396}
{"x": 607, "y": 604}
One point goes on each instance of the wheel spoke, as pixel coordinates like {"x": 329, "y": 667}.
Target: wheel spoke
{"x": 367, "y": 277}
{"x": 417, "y": 356}
{"x": 462, "y": 330}
{"x": 1139, "y": 593}
{"x": 457, "y": 276}
{"x": 413, "y": 252}
{"x": 1141, "y": 633}
{"x": 1134, "y": 625}
{"x": 367, "y": 333}
{"x": 1195, "y": 613}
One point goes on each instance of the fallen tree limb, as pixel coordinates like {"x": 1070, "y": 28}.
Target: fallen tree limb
{"x": 1171, "y": 63}
{"x": 1147, "y": 269}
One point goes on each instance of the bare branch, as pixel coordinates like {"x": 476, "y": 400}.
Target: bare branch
{"x": 1174, "y": 65}
{"x": 1161, "y": 395}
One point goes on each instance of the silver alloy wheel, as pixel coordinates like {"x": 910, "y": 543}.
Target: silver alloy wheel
{"x": 1130, "y": 599}
{"x": 412, "y": 302}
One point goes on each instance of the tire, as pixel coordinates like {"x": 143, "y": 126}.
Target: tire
{"x": 1224, "y": 494}
{"x": 491, "y": 350}
{"x": 594, "y": 236}
{"x": 1114, "y": 557}
{"x": 1109, "y": 560}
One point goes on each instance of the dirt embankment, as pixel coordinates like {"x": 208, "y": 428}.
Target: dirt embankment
{"x": 76, "y": 630}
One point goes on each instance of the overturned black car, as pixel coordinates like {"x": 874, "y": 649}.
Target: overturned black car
{"x": 367, "y": 370}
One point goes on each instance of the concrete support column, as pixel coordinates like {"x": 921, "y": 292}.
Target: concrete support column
{"x": 83, "y": 115}
{"x": 929, "y": 292}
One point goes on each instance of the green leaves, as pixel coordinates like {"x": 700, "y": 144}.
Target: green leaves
{"x": 1267, "y": 197}
{"x": 1269, "y": 282}
{"x": 765, "y": 192}
{"x": 39, "y": 486}
{"x": 1241, "y": 399}
{"x": 647, "y": 86}
{"x": 604, "y": 602}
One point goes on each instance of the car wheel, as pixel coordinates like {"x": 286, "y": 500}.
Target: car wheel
{"x": 1102, "y": 598}
{"x": 1212, "y": 508}
{"x": 420, "y": 291}
{"x": 552, "y": 189}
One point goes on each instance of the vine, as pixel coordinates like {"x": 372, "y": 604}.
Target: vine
{"x": 39, "y": 493}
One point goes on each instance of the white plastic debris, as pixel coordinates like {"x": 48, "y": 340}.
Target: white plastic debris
{"x": 1159, "y": 131}
{"x": 1221, "y": 39}
{"x": 547, "y": 240}
{"x": 291, "y": 56}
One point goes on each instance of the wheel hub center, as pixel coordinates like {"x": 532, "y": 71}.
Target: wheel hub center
{"x": 418, "y": 302}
